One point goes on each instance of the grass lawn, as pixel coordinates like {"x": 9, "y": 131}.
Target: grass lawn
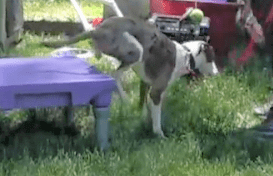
{"x": 208, "y": 124}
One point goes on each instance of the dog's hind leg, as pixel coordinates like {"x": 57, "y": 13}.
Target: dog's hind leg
{"x": 143, "y": 92}
{"x": 156, "y": 105}
{"x": 131, "y": 52}
{"x": 143, "y": 102}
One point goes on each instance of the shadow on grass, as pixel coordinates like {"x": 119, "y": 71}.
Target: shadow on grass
{"x": 42, "y": 137}
{"x": 240, "y": 146}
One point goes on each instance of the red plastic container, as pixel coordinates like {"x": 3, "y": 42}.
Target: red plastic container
{"x": 222, "y": 30}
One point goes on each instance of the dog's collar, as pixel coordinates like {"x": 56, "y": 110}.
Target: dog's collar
{"x": 193, "y": 74}
{"x": 191, "y": 63}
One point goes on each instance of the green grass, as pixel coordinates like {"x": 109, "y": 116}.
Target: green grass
{"x": 201, "y": 117}
{"x": 59, "y": 10}
{"x": 223, "y": 102}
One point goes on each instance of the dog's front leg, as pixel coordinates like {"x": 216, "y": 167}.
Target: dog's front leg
{"x": 156, "y": 104}
{"x": 118, "y": 75}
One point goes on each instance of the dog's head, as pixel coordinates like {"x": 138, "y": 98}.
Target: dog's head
{"x": 202, "y": 58}
{"x": 112, "y": 38}
{"x": 207, "y": 64}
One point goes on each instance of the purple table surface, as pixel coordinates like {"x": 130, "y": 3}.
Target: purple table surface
{"x": 55, "y": 81}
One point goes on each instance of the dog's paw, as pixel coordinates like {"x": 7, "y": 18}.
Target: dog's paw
{"x": 123, "y": 95}
{"x": 160, "y": 134}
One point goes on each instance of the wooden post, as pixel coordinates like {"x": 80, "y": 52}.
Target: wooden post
{"x": 133, "y": 8}
{"x": 3, "y": 34}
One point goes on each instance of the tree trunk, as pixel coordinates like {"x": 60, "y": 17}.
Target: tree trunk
{"x": 3, "y": 34}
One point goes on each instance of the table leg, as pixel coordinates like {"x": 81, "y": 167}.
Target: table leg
{"x": 32, "y": 114}
{"x": 102, "y": 126}
{"x": 68, "y": 113}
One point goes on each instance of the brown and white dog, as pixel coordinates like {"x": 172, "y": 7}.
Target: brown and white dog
{"x": 154, "y": 57}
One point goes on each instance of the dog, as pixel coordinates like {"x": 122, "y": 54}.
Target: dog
{"x": 158, "y": 60}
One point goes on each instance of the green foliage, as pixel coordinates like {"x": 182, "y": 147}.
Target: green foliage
{"x": 59, "y": 10}
{"x": 29, "y": 47}
{"x": 218, "y": 104}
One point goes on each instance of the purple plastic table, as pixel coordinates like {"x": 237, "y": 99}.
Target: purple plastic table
{"x": 57, "y": 81}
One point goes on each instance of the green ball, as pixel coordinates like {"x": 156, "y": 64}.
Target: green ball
{"x": 196, "y": 16}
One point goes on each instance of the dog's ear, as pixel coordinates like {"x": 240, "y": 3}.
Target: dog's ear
{"x": 209, "y": 52}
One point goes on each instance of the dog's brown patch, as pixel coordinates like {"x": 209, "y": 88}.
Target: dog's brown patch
{"x": 161, "y": 53}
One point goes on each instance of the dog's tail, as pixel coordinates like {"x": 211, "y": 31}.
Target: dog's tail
{"x": 75, "y": 39}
